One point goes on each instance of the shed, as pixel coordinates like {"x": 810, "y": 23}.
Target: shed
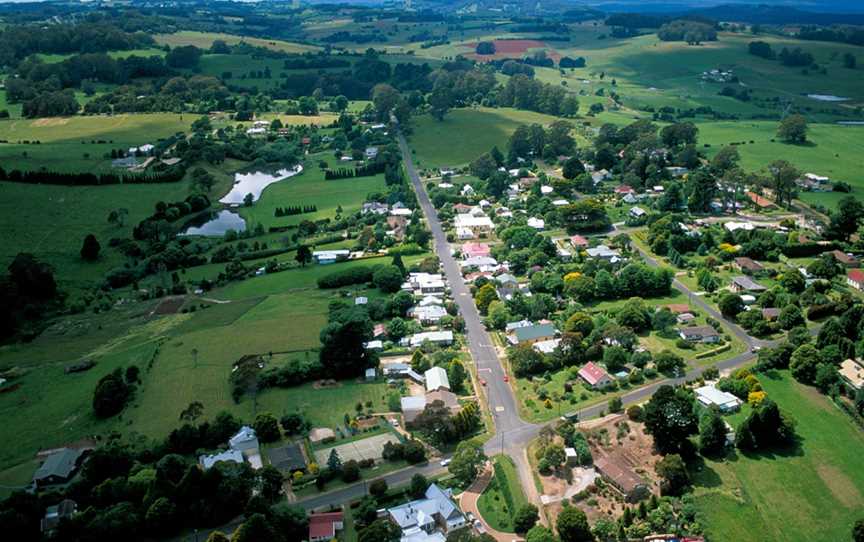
{"x": 58, "y": 467}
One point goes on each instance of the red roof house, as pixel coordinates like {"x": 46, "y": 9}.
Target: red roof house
{"x": 624, "y": 189}
{"x": 594, "y": 375}
{"x": 578, "y": 241}
{"x": 472, "y": 250}
{"x": 324, "y": 526}
{"x": 855, "y": 279}
{"x": 758, "y": 200}
{"x": 678, "y": 308}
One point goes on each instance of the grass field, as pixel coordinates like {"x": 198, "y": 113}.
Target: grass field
{"x": 64, "y": 141}
{"x": 204, "y": 40}
{"x": 468, "y": 133}
{"x": 813, "y": 493}
{"x": 494, "y": 505}
{"x": 310, "y": 188}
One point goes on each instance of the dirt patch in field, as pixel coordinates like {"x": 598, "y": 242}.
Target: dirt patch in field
{"x": 841, "y": 487}
{"x": 324, "y": 384}
{"x": 56, "y": 121}
{"x": 170, "y": 305}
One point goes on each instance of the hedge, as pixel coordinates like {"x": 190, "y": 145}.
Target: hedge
{"x": 347, "y": 277}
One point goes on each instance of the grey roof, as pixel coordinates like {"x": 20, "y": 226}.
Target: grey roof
{"x": 532, "y": 332}
{"x": 60, "y": 464}
{"x": 747, "y": 283}
{"x": 245, "y": 439}
{"x": 287, "y": 458}
{"x": 700, "y": 331}
{"x": 423, "y": 511}
{"x": 228, "y": 456}
{"x": 506, "y": 277}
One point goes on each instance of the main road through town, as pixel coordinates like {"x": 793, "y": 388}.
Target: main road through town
{"x": 512, "y": 434}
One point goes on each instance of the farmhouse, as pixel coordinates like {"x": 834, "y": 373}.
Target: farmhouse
{"x": 374, "y": 207}
{"x": 747, "y": 265}
{"x": 852, "y": 372}
{"x": 324, "y": 257}
{"x": 287, "y": 458}
{"x": 533, "y": 333}
{"x": 621, "y": 477}
{"x": 58, "y": 467}
{"x": 746, "y": 284}
{"x": 711, "y": 396}
{"x": 847, "y": 260}
{"x": 243, "y": 446}
{"x": 700, "y": 334}
{"x": 595, "y": 376}
{"x": 436, "y": 379}
{"x": 324, "y": 526}
{"x": 434, "y": 514}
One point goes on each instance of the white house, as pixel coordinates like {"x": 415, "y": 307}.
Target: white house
{"x": 709, "y": 395}
{"x": 536, "y": 223}
{"x": 436, "y": 379}
{"x": 443, "y": 338}
{"x": 477, "y": 225}
{"x": 423, "y": 519}
{"x": 324, "y": 257}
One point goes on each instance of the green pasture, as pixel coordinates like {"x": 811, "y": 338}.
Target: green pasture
{"x": 500, "y": 501}
{"x": 465, "y": 134}
{"x": 325, "y": 407}
{"x": 203, "y": 40}
{"x": 813, "y": 492}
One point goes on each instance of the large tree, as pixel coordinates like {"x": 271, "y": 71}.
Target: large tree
{"x": 572, "y": 525}
{"x": 343, "y": 352}
{"x": 793, "y": 129}
{"x": 670, "y": 418}
{"x": 845, "y": 220}
{"x": 466, "y": 462}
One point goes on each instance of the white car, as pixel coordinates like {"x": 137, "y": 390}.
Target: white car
{"x": 445, "y": 462}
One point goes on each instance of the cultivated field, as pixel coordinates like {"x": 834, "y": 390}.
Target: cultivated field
{"x": 204, "y": 40}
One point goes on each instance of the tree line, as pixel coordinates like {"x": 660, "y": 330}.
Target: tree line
{"x": 292, "y": 210}
{"x": 170, "y": 174}
{"x": 367, "y": 170}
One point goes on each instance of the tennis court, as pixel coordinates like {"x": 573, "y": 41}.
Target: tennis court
{"x": 367, "y": 448}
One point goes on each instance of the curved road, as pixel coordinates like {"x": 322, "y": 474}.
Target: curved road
{"x": 512, "y": 434}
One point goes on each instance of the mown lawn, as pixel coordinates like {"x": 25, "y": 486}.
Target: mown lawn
{"x": 811, "y": 493}
{"x": 499, "y": 503}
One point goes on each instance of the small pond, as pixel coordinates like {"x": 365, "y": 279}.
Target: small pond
{"x": 215, "y": 224}
{"x": 254, "y": 182}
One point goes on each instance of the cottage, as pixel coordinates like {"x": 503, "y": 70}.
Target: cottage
{"x": 595, "y": 376}
{"x": 412, "y": 407}
{"x": 440, "y": 338}
{"x": 324, "y": 526}
{"x": 637, "y": 212}
{"x": 855, "y": 279}
{"x": 477, "y": 225}
{"x": 536, "y": 223}
{"x": 685, "y": 318}
{"x": 615, "y": 471}
{"x": 746, "y": 284}
{"x": 59, "y": 467}
{"x": 546, "y": 347}
{"x": 852, "y": 372}
{"x": 700, "y": 334}
{"x": 436, "y": 379}
{"x": 747, "y": 265}
{"x": 428, "y": 315}
{"x": 578, "y": 241}
{"x": 847, "y": 260}
{"x": 603, "y": 252}
{"x": 287, "y": 458}
{"x": 461, "y": 209}
{"x": 711, "y": 396}
{"x": 678, "y": 308}
{"x": 435, "y": 513}
{"x": 677, "y": 171}
{"x": 624, "y": 189}
{"x": 533, "y": 333}
{"x": 371, "y": 153}
{"x": 483, "y": 263}
{"x": 425, "y": 283}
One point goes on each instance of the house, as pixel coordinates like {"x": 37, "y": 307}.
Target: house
{"x": 637, "y": 212}
{"x": 436, "y": 379}
{"x": 595, "y": 376}
{"x": 321, "y": 434}
{"x": 441, "y": 338}
{"x": 855, "y": 279}
{"x": 229, "y": 456}
{"x": 685, "y": 318}
{"x": 578, "y": 241}
{"x": 852, "y": 372}
{"x": 477, "y": 225}
{"x": 511, "y": 326}
{"x": 677, "y": 171}
{"x": 371, "y": 374}
{"x": 371, "y": 152}
{"x": 325, "y": 257}
{"x": 374, "y": 345}
{"x": 245, "y": 440}
{"x": 572, "y": 457}
{"x": 412, "y": 407}
{"x": 361, "y": 300}
{"x": 546, "y": 347}
{"x": 54, "y": 514}
{"x": 746, "y": 284}
{"x": 323, "y": 527}
{"x": 700, "y": 334}
{"x": 506, "y": 280}
{"x": 428, "y": 314}
{"x": 483, "y": 263}
{"x": 287, "y": 458}
{"x": 624, "y": 189}
{"x": 603, "y": 252}
{"x": 536, "y": 223}
{"x": 143, "y": 149}
{"x": 746, "y": 265}
{"x": 770, "y": 314}
{"x": 474, "y": 250}
{"x": 678, "y": 308}
{"x": 59, "y": 467}
{"x": 447, "y": 397}
{"x": 619, "y": 474}
{"x": 425, "y": 283}
{"x": 759, "y": 201}
{"x": 402, "y": 370}
{"x": 560, "y": 202}
{"x": 461, "y": 209}
{"x": 711, "y": 396}
{"x": 735, "y": 226}
{"x": 533, "y": 333}
{"x": 435, "y": 513}
{"x": 847, "y": 260}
